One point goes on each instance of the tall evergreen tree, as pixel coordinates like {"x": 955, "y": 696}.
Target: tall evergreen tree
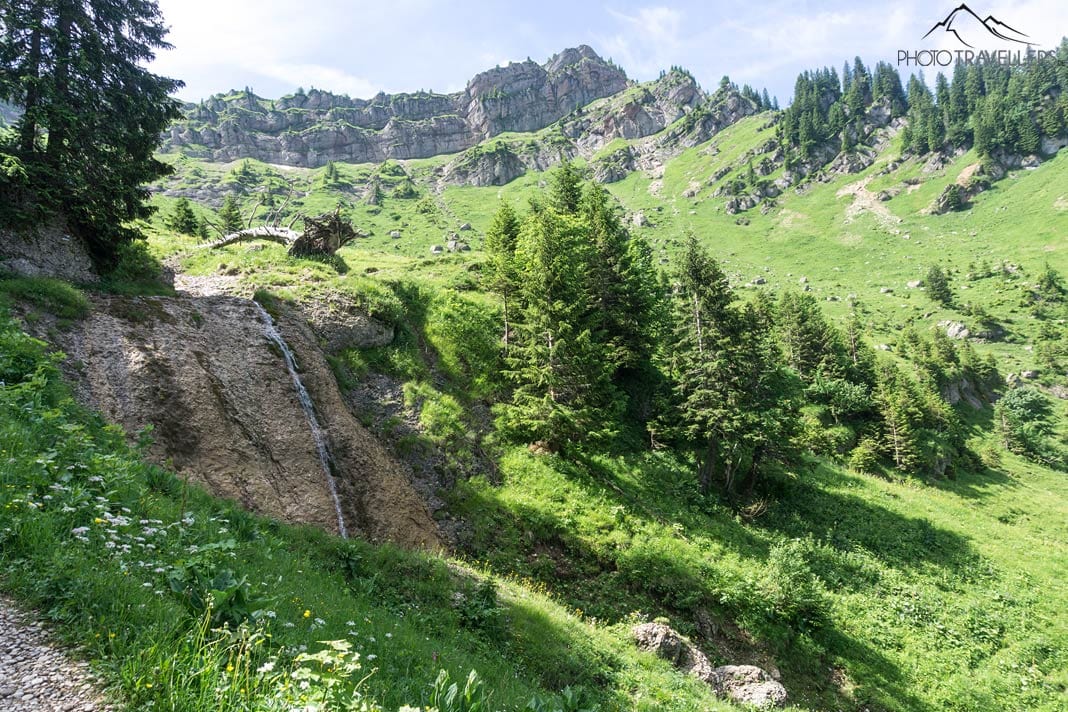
{"x": 230, "y": 216}
{"x": 563, "y": 392}
{"x": 501, "y": 276}
{"x": 92, "y": 113}
{"x": 736, "y": 404}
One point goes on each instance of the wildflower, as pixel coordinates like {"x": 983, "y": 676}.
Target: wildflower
{"x": 266, "y": 667}
{"x": 307, "y": 613}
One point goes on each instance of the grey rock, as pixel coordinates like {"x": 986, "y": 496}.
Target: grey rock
{"x": 748, "y": 685}
{"x": 47, "y": 250}
{"x": 437, "y": 250}
{"x": 340, "y": 324}
{"x": 395, "y": 234}
{"x": 314, "y": 128}
{"x": 743, "y": 684}
{"x": 955, "y": 329}
{"x": 915, "y": 284}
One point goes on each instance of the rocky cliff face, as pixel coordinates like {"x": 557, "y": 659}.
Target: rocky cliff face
{"x": 671, "y": 114}
{"x": 314, "y": 128}
{"x": 225, "y": 413}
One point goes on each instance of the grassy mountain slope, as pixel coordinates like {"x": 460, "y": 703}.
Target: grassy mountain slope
{"x": 866, "y": 592}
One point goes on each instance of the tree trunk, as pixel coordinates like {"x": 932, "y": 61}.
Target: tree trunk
{"x": 707, "y": 468}
{"x": 28, "y": 138}
{"x": 57, "y": 124}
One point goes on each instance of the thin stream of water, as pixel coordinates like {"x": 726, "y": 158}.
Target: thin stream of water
{"x": 271, "y": 331}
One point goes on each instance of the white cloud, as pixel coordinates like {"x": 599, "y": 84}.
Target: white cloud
{"x": 649, "y": 40}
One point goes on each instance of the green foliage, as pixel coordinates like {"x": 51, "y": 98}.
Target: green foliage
{"x": 182, "y": 218}
{"x": 230, "y": 216}
{"x": 736, "y": 404}
{"x": 937, "y": 286}
{"x": 791, "y": 591}
{"x": 51, "y": 295}
{"x": 92, "y": 114}
{"x": 446, "y": 697}
{"x": 1024, "y": 421}
{"x": 583, "y": 311}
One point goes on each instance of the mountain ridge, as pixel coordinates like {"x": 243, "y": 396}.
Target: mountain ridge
{"x": 313, "y": 128}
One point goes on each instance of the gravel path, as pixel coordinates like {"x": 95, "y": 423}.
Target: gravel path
{"x": 37, "y": 676}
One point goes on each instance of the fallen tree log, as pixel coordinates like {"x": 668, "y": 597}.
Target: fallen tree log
{"x": 270, "y": 233}
{"x": 323, "y": 235}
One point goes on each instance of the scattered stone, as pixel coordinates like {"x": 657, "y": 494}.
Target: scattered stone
{"x": 885, "y": 290}
{"x": 395, "y": 234}
{"x": 915, "y": 284}
{"x": 437, "y": 250}
{"x": 955, "y": 329}
{"x": 640, "y": 220}
{"x": 748, "y": 685}
{"x": 803, "y": 280}
{"x": 1029, "y": 375}
{"x": 759, "y": 281}
{"x": 465, "y": 227}
{"x": 743, "y": 684}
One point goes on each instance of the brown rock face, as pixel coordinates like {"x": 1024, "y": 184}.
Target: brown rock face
{"x": 225, "y": 412}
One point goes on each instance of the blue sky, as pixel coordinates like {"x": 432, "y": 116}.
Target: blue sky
{"x": 361, "y": 48}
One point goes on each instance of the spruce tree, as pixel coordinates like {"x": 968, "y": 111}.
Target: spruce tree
{"x": 562, "y": 374}
{"x": 182, "y": 218}
{"x": 92, "y": 113}
{"x": 501, "y": 275}
{"x": 735, "y": 405}
{"x": 937, "y": 285}
{"x": 230, "y": 216}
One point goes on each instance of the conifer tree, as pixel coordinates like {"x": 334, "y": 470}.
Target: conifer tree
{"x": 182, "y": 218}
{"x": 92, "y": 113}
{"x": 501, "y": 276}
{"x": 230, "y": 216}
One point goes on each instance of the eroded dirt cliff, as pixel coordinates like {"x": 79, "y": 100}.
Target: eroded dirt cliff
{"x": 225, "y": 413}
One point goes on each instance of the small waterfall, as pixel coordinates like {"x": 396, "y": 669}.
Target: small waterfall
{"x": 271, "y": 331}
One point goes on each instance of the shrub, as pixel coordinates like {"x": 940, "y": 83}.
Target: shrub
{"x": 865, "y": 456}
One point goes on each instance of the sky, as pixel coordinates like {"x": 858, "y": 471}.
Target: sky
{"x": 360, "y": 48}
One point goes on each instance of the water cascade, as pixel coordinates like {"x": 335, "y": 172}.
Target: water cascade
{"x": 271, "y": 332}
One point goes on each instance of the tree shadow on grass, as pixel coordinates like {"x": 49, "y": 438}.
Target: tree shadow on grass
{"x": 806, "y": 508}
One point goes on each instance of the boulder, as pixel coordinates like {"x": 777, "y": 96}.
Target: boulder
{"x": 742, "y": 684}
{"x": 49, "y": 250}
{"x": 748, "y": 685}
{"x": 465, "y": 227}
{"x": 339, "y": 324}
{"x": 395, "y": 234}
{"x": 915, "y": 284}
{"x": 437, "y": 250}
{"x": 955, "y": 329}
{"x": 759, "y": 280}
